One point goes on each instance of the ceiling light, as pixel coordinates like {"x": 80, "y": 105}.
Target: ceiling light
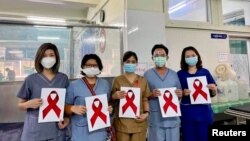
{"x": 15, "y": 51}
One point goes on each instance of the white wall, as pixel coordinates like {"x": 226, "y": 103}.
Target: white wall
{"x": 208, "y": 48}
{"x": 114, "y": 12}
{"x": 145, "y": 29}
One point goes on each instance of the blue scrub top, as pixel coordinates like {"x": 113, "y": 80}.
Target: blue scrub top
{"x": 31, "y": 88}
{"x": 197, "y": 112}
{"x": 155, "y": 81}
{"x": 76, "y": 93}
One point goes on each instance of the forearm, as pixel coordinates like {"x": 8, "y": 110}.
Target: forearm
{"x": 145, "y": 104}
{"x": 67, "y": 110}
{"x": 22, "y": 104}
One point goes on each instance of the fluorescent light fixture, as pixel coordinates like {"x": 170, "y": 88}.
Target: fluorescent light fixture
{"x": 134, "y": 29}
{"x": 177, "y": 6}
{"x": 47, "y": 2}
{"x": 15, "y": 51}
{"x": 47, "y": 38}
{"x": 45, "y": 19}
{"x": 41, "y": 26}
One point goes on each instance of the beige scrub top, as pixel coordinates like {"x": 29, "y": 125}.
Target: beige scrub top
{"x": 129, "y": 125}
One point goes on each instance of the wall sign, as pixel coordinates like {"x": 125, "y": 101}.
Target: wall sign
{"x": 218, "y": 36}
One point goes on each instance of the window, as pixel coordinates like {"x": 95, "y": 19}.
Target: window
{"x": 236, "y": 12}
{"x": 239, "y": 55}
{"x": 19, "y": 43}
{"x": 189, "y": 10}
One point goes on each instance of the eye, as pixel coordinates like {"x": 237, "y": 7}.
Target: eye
{"x": 130, "y": 62}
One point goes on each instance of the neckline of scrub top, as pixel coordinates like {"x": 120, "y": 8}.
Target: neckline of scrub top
{"x": 161, "y": 77}
{"x": 96, "y": 83}
{"x": 49, "y": 82}
{"x": 133, "y": 83}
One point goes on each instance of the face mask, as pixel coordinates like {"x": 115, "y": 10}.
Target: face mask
{"x": 48, "y": 62}
{"x": 160, "y": 61}
{"x": 91, "y": 72}
{"x": 191, "y": 61}
{"x": 130, "y": 68}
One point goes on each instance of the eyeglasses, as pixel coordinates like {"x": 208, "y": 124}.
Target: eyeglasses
{"x": 90, "y": 65}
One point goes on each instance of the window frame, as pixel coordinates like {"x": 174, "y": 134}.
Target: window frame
{"x": 216, "y": 17}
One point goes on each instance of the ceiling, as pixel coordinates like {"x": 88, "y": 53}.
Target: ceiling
{"x": 68, "y": 9}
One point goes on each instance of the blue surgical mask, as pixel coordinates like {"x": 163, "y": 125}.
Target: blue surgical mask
{"x": 130, "y": 68}
{"x": 160, "y": 61}
{"x": 191, "y": 61}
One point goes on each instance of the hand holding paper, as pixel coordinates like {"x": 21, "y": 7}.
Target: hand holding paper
{"x": 97, "y": 112}
{"x": 199, "y": 91}
{"x": 52, "y": 108}
{"x": 169, "y": 102}
{"x": 130, "y": 105}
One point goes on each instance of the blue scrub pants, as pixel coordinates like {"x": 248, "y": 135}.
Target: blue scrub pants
{"x": 195, "y": 130}
{"x": 164, "y": 134}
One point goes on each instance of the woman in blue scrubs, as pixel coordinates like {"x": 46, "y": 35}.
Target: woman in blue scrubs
{"x": 47, "y": 63}
{"x": 78, "y": 90}
{"x": 195, "y": 119}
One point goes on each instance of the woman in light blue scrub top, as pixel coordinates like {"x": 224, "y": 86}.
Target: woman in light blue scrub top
{"x": 47, "y": 63}
{"x": 196, "y": 118}
{"x": 75, "y": 99}
{"x": 162, "y": 129}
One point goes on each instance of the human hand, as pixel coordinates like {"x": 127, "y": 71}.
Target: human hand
{"x": 110, "y": 109}
{"x": 212, "y": 87}
{"x": 156, "y": 93}
{"x": 142, "y": 117}
{"x": 79, "y": 109}
{"x": 64, "y": 123}
{"x": 186, "y": 92}
{"x": 179, "y": 93}
{"x": 119, "y": 95}
{"x": 34, "y": 103}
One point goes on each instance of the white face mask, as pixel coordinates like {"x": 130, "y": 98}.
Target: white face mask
{"x": 48, "y": 62}
{"x": 91, "y": 72}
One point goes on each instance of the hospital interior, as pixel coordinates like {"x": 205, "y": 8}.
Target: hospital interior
{"x": 218, "y": 29}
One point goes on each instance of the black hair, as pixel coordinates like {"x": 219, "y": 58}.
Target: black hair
{"x": 184, "y": 65}
{"x": 39, "y": 56}
{"x": 129, "y": 54}
{"x": 91, "y": 56}
{"x": 159, "y": 46}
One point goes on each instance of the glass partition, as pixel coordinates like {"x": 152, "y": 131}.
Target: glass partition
{"x": 18, "y": 46}
{"x": 19, "y": 43}
{"x": 105, "y": 42}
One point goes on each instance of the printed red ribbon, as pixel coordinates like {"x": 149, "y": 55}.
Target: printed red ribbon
{"x": 97, "y": 112}
{"x": 129, "y": 103}
{"x": 52, "y": 105}
{"x": 198, "y": 90}
{"x": 169, "y": 102}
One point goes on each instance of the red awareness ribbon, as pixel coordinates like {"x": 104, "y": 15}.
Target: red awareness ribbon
{"x": 198, "y": 90}
{"x": 52, "y": 105}
{"x": 97, "y": 112}
{"x": 129, "y": 102}
{"x": 169, "y": 102}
